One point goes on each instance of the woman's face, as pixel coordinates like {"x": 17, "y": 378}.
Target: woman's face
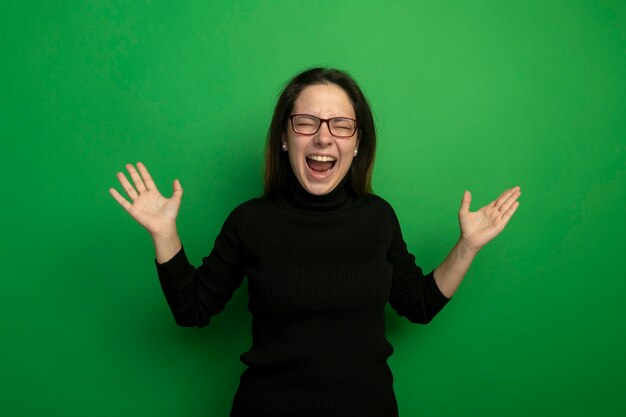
{"x": 321, "y": 161}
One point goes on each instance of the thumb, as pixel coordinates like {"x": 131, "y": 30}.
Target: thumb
{"x": 178, "y": 190}
{"x": 465, "y": 203}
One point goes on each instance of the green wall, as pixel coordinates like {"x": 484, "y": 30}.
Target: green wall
{"x": 477, "y": 95}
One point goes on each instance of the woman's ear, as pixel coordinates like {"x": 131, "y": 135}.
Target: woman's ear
{"x": 283, "y": 139}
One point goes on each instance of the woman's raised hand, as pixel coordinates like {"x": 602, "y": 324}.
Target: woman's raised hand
{"x": 479, "y": 227}
{"x": 148, "y": 207}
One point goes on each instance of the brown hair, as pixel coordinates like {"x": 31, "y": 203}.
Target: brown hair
{"x": 277, "y": 166}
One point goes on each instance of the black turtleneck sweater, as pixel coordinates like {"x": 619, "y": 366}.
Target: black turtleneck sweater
{"x": 320, "y": 270}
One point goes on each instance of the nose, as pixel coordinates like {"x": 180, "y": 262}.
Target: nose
{"x": 323, "y": 136}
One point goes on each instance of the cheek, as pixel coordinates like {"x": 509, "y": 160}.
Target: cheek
{"x": 295, "y": 155}
{"x": 293, "y": 145}
{"x": 347, "y": 152}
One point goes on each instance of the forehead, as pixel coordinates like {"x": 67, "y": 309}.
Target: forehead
{"x": 325, "y": 101}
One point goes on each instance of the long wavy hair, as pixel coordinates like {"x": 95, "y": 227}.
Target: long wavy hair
{"x": 277, "y": 166}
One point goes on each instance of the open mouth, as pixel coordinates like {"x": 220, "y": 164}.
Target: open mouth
{"x": 321, "y": 164}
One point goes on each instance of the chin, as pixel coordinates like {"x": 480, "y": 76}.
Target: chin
{"x": 317, "y": 187}
{"x": 319, "y": 183}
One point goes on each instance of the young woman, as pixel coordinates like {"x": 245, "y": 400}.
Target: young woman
{"x": 322, "y": 256}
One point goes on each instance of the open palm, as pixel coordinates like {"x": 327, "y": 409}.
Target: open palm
{"x": 149, "y": 208}
{"x": 479, "y": 227}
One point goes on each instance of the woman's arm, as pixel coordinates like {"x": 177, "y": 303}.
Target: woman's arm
{"x": 477, "y": 229}
{"x": 193, "y": 294}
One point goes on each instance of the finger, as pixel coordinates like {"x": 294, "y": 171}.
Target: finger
{"x": 465, "y": 203}
{"x": 147, "y": 178}
{"x": 510, "y": 211}
{"x": 512, "y": 198}
{"x": 117, "y": 196}
{"x": 498, "y": 202}
{"x": 136, "y": 178}
{"x": 495, "y": 202}
{"x": 127, "y": 187}
{"x": 506, "y": 194}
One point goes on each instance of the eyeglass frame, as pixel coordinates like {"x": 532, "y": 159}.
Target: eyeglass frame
{"x": 319, "y": 126}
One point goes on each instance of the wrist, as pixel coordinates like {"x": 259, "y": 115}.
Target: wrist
{"x": 165, "y": 233}
{"x": 466, "y": 247}
{"x": 166, "y": 244}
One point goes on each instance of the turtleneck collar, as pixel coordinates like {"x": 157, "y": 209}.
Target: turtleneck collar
{"x": 296, "y": 196}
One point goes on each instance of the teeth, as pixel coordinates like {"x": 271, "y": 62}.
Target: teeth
{"x": 321, "y": 158}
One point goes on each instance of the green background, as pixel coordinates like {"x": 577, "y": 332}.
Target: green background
{"x": 479, "y": 95}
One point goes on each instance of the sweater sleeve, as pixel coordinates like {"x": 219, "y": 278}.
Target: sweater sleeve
{"x": 413, "y": 295}
{"x": 195, "y": 294}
